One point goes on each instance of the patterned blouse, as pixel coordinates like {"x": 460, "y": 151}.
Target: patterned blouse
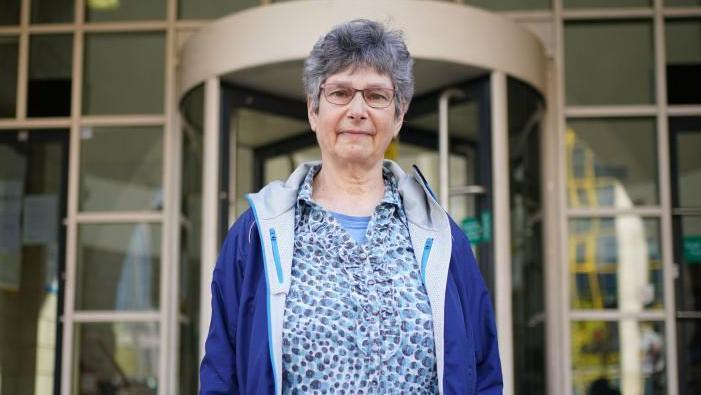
{"x": 357, "y": 317}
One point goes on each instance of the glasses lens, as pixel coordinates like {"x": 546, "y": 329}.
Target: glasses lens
{"x": 338, "y": 94}
{"x": 377, "y": 97}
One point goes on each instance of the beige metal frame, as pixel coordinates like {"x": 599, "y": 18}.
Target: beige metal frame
{"x": 661, "y": 111}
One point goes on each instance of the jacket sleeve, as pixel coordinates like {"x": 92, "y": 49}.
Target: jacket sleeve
{"x": 218, "y": 368}
{"x": 488, "y": 377}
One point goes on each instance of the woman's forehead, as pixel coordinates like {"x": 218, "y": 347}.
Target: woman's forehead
{"x": 360, "y": 74}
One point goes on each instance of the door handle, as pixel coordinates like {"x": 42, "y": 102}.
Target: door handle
{"x": 468, "y": 190}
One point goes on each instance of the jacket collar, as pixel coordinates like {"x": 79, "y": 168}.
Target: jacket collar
{"x": 420, "y": 205}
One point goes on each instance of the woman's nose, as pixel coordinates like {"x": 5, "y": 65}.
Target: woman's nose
{"x": 357, "y": 108}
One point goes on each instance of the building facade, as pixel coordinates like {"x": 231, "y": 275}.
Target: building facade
{"x": 563, "y": 135}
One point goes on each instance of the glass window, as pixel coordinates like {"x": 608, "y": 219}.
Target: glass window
{"x": 9, "y": 12}
{"x": 116, "y": 358}
{"x": 689, "y": 339}
{"x": 52, "y": 11}
{"x": 525, "y": 116}
{"x": 118, "y": 266}
{"x": 8, "y": 76}
{"x": 618, "y": 357}
{"x": 31, "y": 258}
{"x": 121, "y": 168}
{"x": 687, "y": 166}
{"x": 189, "y": 308}
{"x": 193, "y": 9}
{"x": 605, "y": 3}
{"x": 599, "y": 70}
{"x": 689, "y": 259}
{"x": 188, "y": 376}
{"x": 50, "y": 69}
{"x": 123, "y": 73}
{"x": 125, "y": 10}
{"x": 607, "y": 163}
{"x": 620, "y": 264}
{"x": 683, "y": 60}
{"x": 682, "y": 3}
{"x": 510, "y": 5}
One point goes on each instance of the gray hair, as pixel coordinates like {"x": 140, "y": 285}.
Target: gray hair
{"x": 360, "y": 42}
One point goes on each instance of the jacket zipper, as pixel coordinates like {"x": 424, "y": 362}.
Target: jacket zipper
{"x": 424, "y": 258}
{"x": 276, "y": 255}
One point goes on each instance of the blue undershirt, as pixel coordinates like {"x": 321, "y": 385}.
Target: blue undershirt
{"x": 356, "y": 226}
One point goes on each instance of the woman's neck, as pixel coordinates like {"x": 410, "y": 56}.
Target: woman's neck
{"x": 349, "y": 190}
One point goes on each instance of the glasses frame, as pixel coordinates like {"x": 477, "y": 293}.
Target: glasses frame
{"x": 355, "y": 91}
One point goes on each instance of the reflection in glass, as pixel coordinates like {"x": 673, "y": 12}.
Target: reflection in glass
{"x": 8, "y": 76}
{"x": 688, "y": 229}
{"x": 193, "y": 9}
{"x": 689, "y": 342}
{"x": 683, "y": 43}
{"x": 599, "y": 70}
{"x": 31, "y": 175}
{"x": 121, "y": 168}
{"x": 268, "y": 148}
{"x": 9, "y": 12}
{"x": 615, "y": 263}
{"x": 688, "y": 167}
{"x": 682, "y": 3}
{"x": 625, "y": 358}
{"x": 189, "y": 358}
{"x": 50, "y": 70}
{"x": 605, "y": 3}
{"x": 52, "y": 11}
{"x": 604, "y": 169}
{"x": 125, "y": 10}
{"x": 118, "y": 266}
{"x": 116, "y": 358}
{"x": 123, "y": 73}
{"x": 525, "y": 116}
{"x": 510, "y": 5}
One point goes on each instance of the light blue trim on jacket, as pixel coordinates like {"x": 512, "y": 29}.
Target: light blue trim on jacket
{"x": 277, "y": 375}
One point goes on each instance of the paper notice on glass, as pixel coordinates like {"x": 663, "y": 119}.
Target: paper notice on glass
{"x": 10, "y": 269}
{"x": 40, "y": 220}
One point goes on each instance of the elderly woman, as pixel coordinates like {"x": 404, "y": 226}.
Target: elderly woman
{"x": 350, "y": 277}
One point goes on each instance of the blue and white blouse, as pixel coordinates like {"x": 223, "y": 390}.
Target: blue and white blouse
{"x": 357, "y": 317}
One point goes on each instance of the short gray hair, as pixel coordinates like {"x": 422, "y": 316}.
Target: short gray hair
{"x": 360, "y": 42}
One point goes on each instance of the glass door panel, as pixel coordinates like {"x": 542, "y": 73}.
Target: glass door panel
{"x": 33, "y": 170}
{"x": 685, "y": 141}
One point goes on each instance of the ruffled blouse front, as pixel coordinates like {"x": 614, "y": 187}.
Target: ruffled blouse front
{"x": 357, "y": 316}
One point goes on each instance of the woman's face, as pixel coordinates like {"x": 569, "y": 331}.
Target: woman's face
{"x": 355, "y": 132}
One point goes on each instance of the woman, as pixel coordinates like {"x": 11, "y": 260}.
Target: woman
{"x": 349, "y": 277}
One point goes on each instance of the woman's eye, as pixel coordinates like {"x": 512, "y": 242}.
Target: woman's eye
{"x": 377, "y": 95}
{"x": 340, "y": 93}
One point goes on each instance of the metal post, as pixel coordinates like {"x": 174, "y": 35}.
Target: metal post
{"x": 210, "y": 202}
{"x": 443, "y": 153}
{"x": 502, "y": 227}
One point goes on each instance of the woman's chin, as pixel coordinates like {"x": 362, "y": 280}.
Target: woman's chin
{"x": 358, "y": 157}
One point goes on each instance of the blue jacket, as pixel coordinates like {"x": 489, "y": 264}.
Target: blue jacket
{"x": 252, "y": 276}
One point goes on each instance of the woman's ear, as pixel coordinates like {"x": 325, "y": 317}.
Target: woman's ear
{"x": 312, "y": 115}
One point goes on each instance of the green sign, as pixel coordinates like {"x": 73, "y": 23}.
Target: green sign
{"x": 487, "y": 226}
{"x": 692, "y": 249}
{"x": 478, "y": 230}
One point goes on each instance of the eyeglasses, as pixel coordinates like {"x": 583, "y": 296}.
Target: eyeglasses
{"x": 342, "y": 95}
